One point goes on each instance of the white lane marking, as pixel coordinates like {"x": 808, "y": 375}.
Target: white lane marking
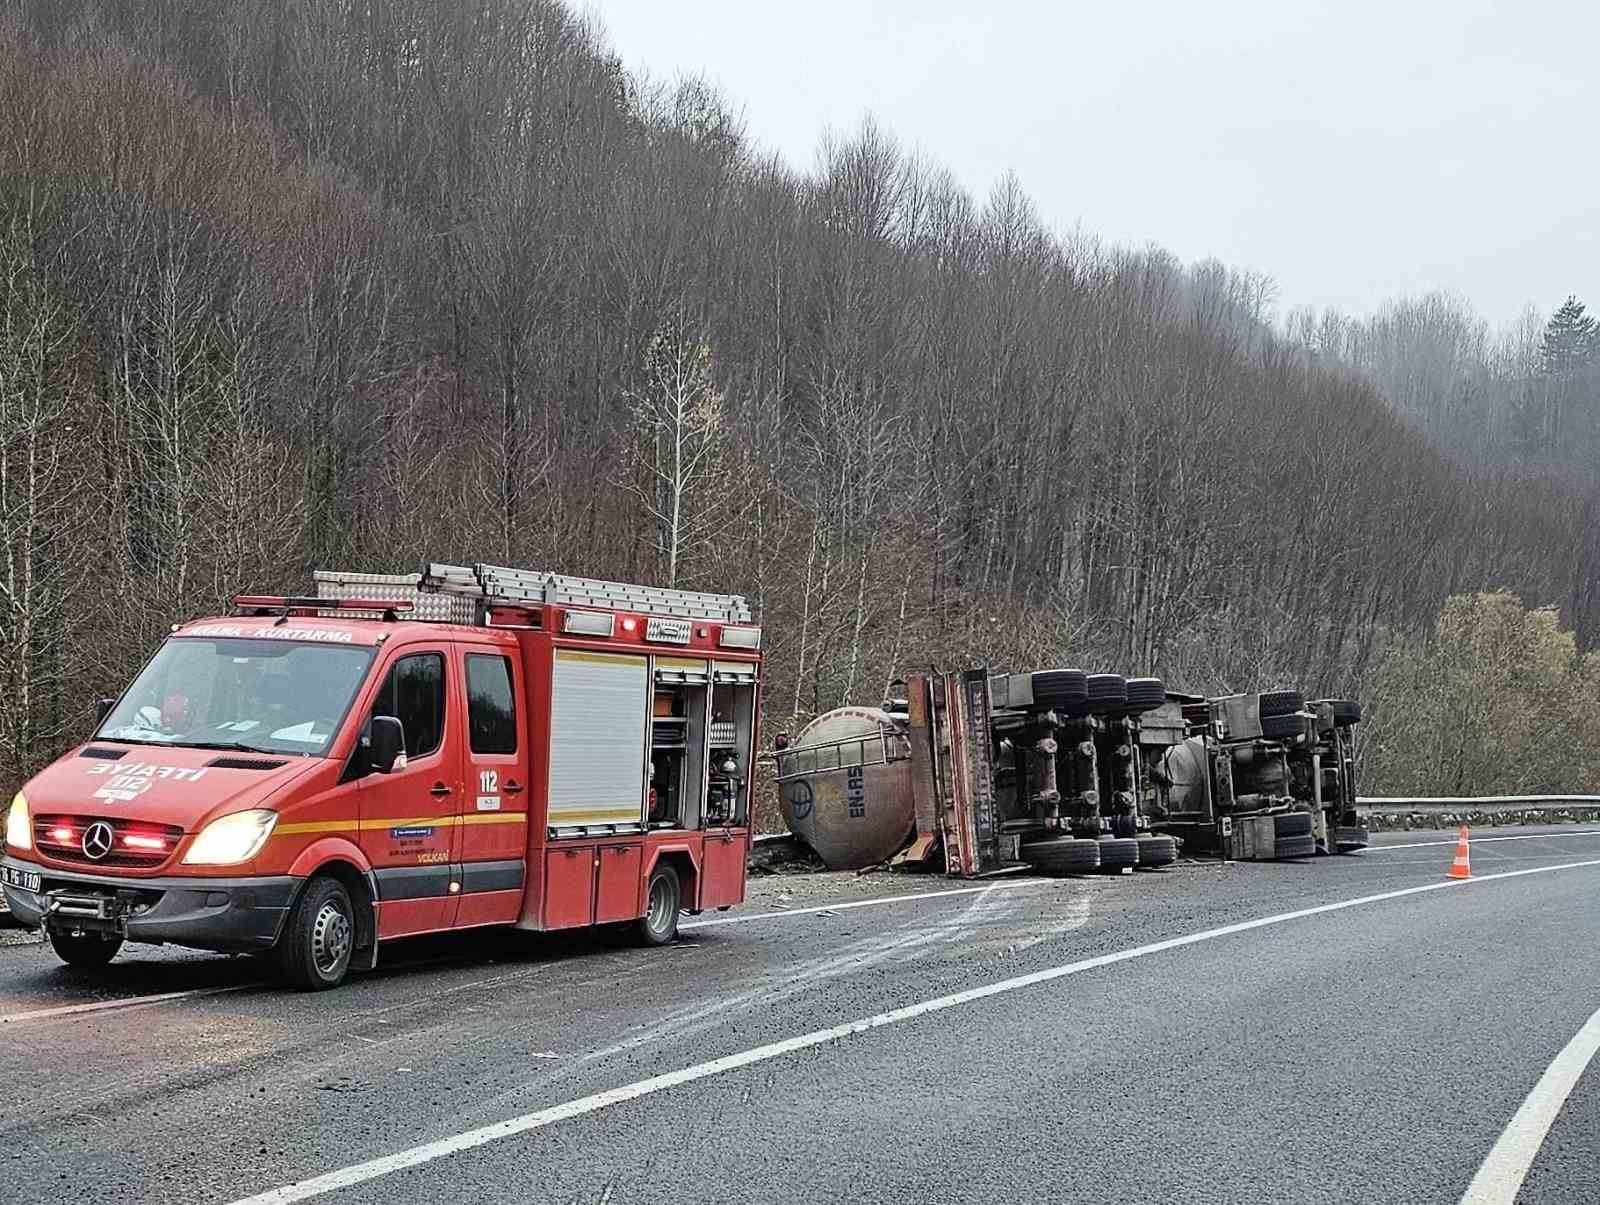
{"x": 372, "y": 1169}
{"x": 1588, "y": 832}
{"x": 872, "y": 903}
{"x": 1503, "y": 1171}
{"x": 70, "y": 1010}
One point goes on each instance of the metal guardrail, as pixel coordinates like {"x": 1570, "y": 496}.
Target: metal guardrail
{"x": 1454, "y": 803}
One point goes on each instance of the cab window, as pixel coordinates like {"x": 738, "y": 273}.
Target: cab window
{"x": 491, "y": 706}
{"x": 413, "y": 693}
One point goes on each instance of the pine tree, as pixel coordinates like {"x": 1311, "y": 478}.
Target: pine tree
{"x": 1568, "y": 355}
{"x": 1571, "y": 341}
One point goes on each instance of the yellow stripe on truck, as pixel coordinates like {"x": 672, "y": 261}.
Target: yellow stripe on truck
{"x": 600, "y": 658}
{"x": 595, "y": 816}
{"x": 368, "y": 826}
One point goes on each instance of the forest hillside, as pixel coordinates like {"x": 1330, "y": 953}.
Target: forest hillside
{"x": 297, "y": 284}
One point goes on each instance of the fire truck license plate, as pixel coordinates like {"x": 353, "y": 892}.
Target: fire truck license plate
{"x": 28, "y": 880}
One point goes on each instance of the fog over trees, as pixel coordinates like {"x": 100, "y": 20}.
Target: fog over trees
{"x": 297, "y": 284}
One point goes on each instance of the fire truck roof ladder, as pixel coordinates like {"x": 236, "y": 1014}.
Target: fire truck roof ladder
{"x": 496, "y": 583}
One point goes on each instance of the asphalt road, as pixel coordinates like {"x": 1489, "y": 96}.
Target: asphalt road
{"x": 1370, "y": 1053}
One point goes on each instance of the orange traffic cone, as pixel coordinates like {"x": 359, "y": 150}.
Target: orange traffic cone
{"x": 1461, "y": 868}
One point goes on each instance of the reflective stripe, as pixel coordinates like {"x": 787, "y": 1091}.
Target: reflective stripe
{"x": 694, "y": 663}
{"x": 347, "y": 826}
{"x": 600, "y": 658}
{"x": 598, "y": 816}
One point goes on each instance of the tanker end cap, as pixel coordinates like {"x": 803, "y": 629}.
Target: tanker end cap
{"x": 849, "y": 795}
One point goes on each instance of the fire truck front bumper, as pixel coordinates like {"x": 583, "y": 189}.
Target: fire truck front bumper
{"x": 227, "y": 915}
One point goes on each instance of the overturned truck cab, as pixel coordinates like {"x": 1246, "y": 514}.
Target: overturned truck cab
{"x": 1253, "y": 777}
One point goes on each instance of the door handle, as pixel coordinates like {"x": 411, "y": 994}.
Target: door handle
{"x": 512, "y": 788}
{"x": 439, "y": 790}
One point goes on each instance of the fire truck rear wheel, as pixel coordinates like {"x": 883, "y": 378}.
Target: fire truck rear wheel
{"x": 314, "y": 950}
{"x": 659, "y": 924}
{"x": 84, "y": 950}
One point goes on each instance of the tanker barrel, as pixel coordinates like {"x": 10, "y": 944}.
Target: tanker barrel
{"x": 845, "y": 787}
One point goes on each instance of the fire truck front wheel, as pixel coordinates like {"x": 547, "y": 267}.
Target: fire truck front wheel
{"x": 84, "y": 949}
{"x": 659, "y": 924}
{"x": 313, "y": 953}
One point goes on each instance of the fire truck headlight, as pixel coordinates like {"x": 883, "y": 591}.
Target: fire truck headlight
{"x": 228, "y": 840}
{"x": 19, "y": 825}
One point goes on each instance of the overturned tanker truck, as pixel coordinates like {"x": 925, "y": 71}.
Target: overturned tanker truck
{"x": 1070, "y": 772}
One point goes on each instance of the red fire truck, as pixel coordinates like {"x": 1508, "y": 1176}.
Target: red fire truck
{"x": 460, "y": 748}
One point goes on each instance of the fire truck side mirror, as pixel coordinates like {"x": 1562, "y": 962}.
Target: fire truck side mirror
{"x": 386, "y": 742}
{"x": 102, "y": 708}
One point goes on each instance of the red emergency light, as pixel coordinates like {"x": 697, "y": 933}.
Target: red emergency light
{"x": 140, "y": 841}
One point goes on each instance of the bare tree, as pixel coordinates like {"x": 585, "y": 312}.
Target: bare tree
{"x": 675, "y": 465}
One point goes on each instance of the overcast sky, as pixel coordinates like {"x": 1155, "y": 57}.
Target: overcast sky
{"x": 1352, "y": 149}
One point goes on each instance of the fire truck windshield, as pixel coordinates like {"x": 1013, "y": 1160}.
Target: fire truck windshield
{"x": 267, "y": 696}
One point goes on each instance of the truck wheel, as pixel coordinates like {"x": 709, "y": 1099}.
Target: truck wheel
{"x": 1107, "y": 693}
{"x": 1063, "y": 855}
{"x": 1294, "y": 847}
{"x": 87, "y": 950}
{"x": 1119, "y": 853}
{"x": 1156, "y": 850}
{"x": 1349, "y": 838}
{"x": 1145, "y": 694}
{"x": 1280, "y": 702}
{"x": 314, "y": 951}
{"x": 1281, "y": 727}
{"x": 1291, "y": 824}
{"x": 1345, "y": 712}
{"x": 1062, "y": 688}
{"x": 659, "y": 924}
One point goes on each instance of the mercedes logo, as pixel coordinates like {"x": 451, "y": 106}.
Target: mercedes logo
{"x": 97, "y": 840}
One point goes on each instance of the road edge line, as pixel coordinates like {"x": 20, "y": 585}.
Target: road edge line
{"x": 1501, "y": 1174}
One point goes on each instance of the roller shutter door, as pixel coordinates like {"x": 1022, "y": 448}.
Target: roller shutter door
{"x": 599, "y": 712}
